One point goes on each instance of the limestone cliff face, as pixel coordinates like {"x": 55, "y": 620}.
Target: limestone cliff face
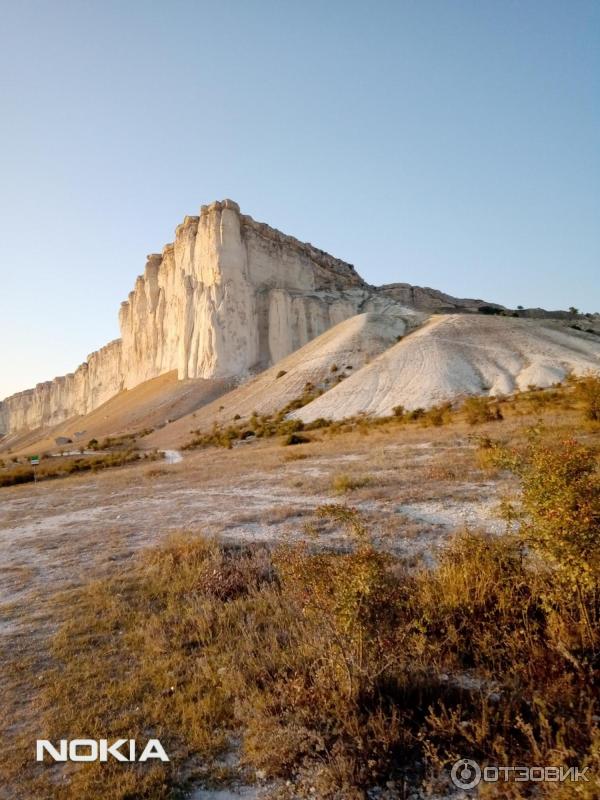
{"x": 92, "y": 383}
{"x": 230, "y": 295}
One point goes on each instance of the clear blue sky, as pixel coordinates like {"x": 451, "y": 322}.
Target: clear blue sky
{"x": 452, "y": 144}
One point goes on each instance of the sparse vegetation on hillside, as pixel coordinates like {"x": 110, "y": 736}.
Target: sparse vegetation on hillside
{"x": 476, "y": 410}
{"x": 340, "y": 671}
{"x": 258, "y": 426}
{"x": 587, "y": 390}
{"x": 125, "y": 441}
{"x": 480, "y": 409}
{"x": 559, "y": 508}
{"x": 61, "y": 467}
{"x": 343, "y": 483}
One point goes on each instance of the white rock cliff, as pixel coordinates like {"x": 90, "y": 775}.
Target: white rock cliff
{"x": 229, "y": 296}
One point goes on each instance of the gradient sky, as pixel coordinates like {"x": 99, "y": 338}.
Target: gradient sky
{"x": 452, "y": 144}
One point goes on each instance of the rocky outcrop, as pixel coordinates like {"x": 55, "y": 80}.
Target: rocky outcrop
{"x": 425, "y": 299}
{"x": 229, "y": 296}
{"x": 94, "y": 382}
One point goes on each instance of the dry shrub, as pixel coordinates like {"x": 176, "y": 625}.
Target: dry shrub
{"x": 541, "y": 400}
{"x": 442, "y": 472}
{"x": 296, "y": 438}
{"x": 436, "y": 415}
{"x": 342, "y": 483}
{"x": 587, "y": 390}
{"x": 479, "y": 409}
{"x": 62, "y": 467}
{"x": 487, "y": 455}
{"x": 559, "y": 509}
{"x": 12, "y": 476}
{"x": 341, "y": 671}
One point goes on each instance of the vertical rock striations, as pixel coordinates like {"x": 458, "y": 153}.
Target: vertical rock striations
{"x": 229, "y": 296}
{"x": 93, "y": 383}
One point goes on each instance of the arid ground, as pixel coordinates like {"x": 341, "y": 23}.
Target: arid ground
{"x": 413, "y": 485}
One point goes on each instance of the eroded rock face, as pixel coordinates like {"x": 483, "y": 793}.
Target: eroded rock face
{"x": 93, "y": 383}
{"x": 424, "y": 298}
{"x": 229, "y": 296}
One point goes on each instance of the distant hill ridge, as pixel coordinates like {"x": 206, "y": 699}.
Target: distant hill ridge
{"x": 227, "y": 299}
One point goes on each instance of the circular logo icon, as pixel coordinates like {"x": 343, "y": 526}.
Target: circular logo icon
{"x": 465, "y": 773}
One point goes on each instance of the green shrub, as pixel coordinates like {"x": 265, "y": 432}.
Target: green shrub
{"x": 490, "y": 310}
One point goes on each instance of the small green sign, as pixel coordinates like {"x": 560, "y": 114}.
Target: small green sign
{"x": 34, "y": 460}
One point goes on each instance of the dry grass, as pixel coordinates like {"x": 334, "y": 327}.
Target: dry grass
{"x": 579, "y": 394}
{"x": 295, "y": 456}
{"x": 158, "y": 472}
{"x": 343, "y": 483}
{"x": 13, "y": 474}
{"x": 443, "y": 472}
{"x": 340, "y": 671}
{"x": 336, "y": 671}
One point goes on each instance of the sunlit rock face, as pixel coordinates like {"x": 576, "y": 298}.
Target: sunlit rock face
{"x": 93, "y": 383}
{"x": 229, "y": 296}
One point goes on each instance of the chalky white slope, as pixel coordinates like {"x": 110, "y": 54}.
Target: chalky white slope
{"x": 343, "y": 348}
{"x": 457, "y": 355}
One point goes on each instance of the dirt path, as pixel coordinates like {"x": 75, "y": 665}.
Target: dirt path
{"x": 55, "y": 534}
{"x": 413, "y": 489}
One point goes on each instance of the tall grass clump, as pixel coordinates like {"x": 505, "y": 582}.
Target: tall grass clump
{"x": 479, "y": 409}
{"x": 587, "y": 390}
{"x": 332, "y": 673}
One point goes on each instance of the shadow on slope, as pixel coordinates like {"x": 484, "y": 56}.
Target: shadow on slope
{"x": 152, "y": 404}
{"x": 321, "y": 364}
